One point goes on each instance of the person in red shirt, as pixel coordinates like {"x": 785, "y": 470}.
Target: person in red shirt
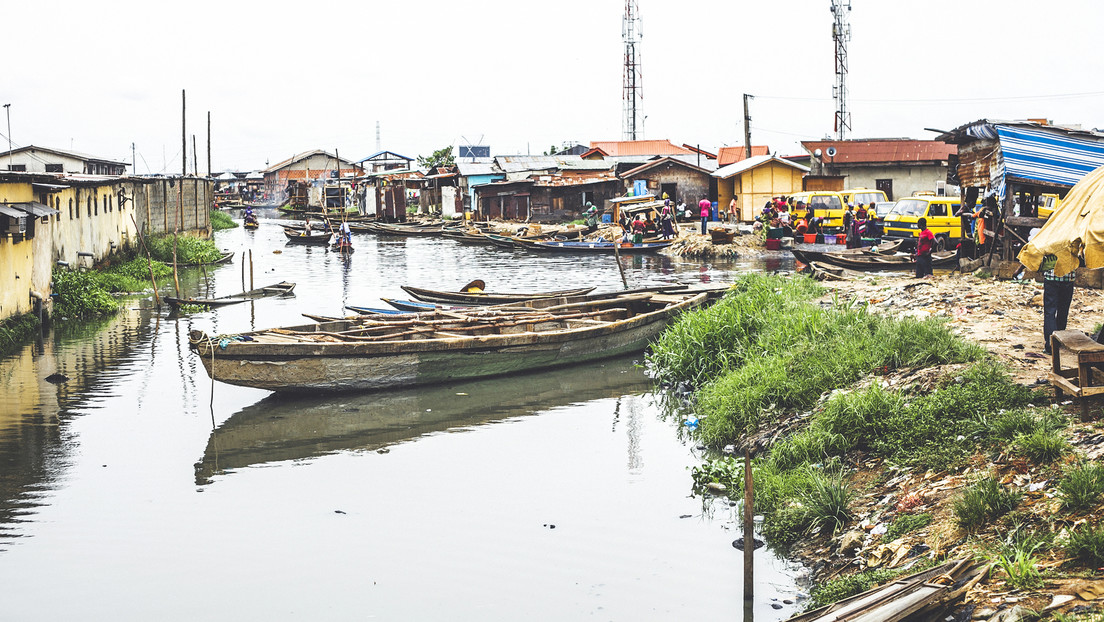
{"x": 924, "y": 245}
{"x": 638, "y": 227}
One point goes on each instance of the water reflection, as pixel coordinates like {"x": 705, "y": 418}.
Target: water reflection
{"x": 34, "y": 446}
{"x": 280, "y": 428}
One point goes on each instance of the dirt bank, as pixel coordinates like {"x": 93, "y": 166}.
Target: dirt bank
{"x": 1006, "y": 318}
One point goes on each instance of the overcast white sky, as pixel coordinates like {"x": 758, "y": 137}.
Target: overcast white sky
{"x": 280, "y": 78}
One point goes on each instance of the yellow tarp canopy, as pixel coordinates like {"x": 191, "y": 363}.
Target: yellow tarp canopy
{"x": 1075, "y": 228}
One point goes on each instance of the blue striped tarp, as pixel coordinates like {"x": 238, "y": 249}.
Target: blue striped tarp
{"x": 1049, "y": 155}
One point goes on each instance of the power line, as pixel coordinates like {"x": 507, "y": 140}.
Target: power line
{"x": 942, "y": 100}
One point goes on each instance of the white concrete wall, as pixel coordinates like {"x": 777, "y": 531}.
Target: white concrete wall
{"x": 449, "y": 195}
{"x": 907, "y": 180}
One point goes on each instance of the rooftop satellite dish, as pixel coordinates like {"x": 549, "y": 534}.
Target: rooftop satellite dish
{"x": 816, "y": 152}
{"x": 831, "y": 152}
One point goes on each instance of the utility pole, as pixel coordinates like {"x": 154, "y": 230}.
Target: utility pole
{"x": 133, "y": 160}
{"x": 632, "y": 89}
{"x": 208, "y": 143}
{"x": 841, "y": 34}
{"x": 747, "y": 126}
{"x": 7, "y": 111}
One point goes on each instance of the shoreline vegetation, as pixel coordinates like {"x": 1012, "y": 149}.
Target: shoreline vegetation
{"x": 91, "y": 293}
{"x": 884, "y": 445}
{"x": 16, "y": 330}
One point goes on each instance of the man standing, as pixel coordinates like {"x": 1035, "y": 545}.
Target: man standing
{"x": 1057, "y": 295}
{"x": 705, "y": 206}
{"x": 733, "y": 211}
{"x": 591, "y": 218}
{"x": 924, "y": 245}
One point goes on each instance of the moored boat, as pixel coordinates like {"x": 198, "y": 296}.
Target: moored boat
{"x": 474, "y": 296}
{"x": 601, "y": 247}
{"x": 380, "y": 352}
{"x": 871, "y": 262}
{"x": 282, "y": 288}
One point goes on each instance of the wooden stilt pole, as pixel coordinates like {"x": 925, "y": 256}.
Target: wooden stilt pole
{"x": 749, "y": 528}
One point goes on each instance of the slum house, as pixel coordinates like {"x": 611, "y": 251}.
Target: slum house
{"x": 671, "y": 178}
{"x": 32, "y": 159}
{"x": 1018, "y": 162}
{"x": 78, "y": 220}
{"x": 900, "y": 167}
{"x": 625, "y": 155}
{"x": 753, "y": 181}
{"x": 544, "y": 198}
{"x": 476, "y": 172}
{"x": 289, "y": 181}
{"x": 385, "y": 194}
{"x": 439, "y": 193}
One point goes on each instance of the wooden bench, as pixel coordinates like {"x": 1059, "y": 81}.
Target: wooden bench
{"x": 1077, "y": 380}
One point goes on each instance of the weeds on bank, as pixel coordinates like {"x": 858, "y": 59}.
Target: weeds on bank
{"x": 1087, "y": 544}
{"x": 221, "y": 220}
{"x": 845, "y": 587}
{"x": 15, "y": 330}
{"x": 906, "y": 523}
{"x": 189, "y": 250}
{"x": 79, "y": 294}
{"x": 986, "y": 499}
{"x": 1082, "y": 486}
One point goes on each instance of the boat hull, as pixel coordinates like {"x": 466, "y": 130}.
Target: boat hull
{"x": 366, "y": 366}
{"x": 486, "y": 298}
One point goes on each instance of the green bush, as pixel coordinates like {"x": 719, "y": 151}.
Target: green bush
{"x": 221, "y": 220}
{"x": 984, "y": 500}
{"x": 1018, "y": 562}
{"x": 189, "y": 250}
{"x": 1082, "y": 486}
{"x": 79, "y": 294}
{"x": 1087, "y": 545}
{"x": 827, "y": 501}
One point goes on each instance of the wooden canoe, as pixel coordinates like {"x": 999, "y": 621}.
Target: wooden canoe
{"x": 488, "y": 298}
{"x": 722, "y": 236}
{"x": 600, "y": 247}
{"x": 314, "y": 239}
{"x": 380, "y": 352}
{"x": 225, "y": 257}
{"x": 871, "y": 262}
{"x": 828, "y": 272}
{"x": 282, "y": 288}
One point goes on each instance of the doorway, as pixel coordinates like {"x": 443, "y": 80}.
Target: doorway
{"x": 670, "y": 190}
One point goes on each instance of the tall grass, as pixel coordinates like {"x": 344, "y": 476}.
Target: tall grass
{"x": 984, "y": 500}
{"x": 15, "y": 330}
{"x": 188, "y": 249}
{"x": 79, "y": 294}
{"x": 1087, "y": 545}
{"x": 221, "y": 220}
{"x": 1082, "y": 486}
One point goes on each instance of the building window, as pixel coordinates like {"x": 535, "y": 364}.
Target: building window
{"x": 71, "y": 209}
{"x": 17, "y": 167}
{"x": 96, "y": 206}
{"x": 89, "y": 207}
{"x": 110, "y": 203}
{"x": 54, "y": 168}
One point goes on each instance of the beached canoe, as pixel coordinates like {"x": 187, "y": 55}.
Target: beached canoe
{"x": 282, "y": 288}
{"x": 600, "y": 247}
{"x": 380, "y": 352}
{"x": 487, "y": 298}
{"x": 872, "y": 262}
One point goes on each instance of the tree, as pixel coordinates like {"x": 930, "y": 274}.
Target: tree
{"x": 441, "y": 157}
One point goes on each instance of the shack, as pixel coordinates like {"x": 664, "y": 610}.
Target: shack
{"x": 1018, "y": 162}
{"x": 674, "y": 179}
{"x": 544, "y": 198}
{"x": 753, "y": 181}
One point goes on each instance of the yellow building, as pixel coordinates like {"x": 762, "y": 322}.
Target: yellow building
{"x": 754, "y": 181}
{"x": 78, "y": 220}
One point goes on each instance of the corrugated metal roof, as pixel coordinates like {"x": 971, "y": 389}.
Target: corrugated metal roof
{"x": 735, "y": 153}
{"x": 477, "y": 168}
{"x": 647, "y": 166}
{"x": 881, "y": 151}
{"x": 34, "y": 208}
{"x": 1049, "y": 155}
{"x": 638, "y": 147}
{"x": 754, "y": 161}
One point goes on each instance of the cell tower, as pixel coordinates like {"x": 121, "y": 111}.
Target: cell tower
{"x": 841, "y": 34}
{"x": 633, "y": 90}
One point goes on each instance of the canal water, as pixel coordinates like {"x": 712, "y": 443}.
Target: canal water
{"x": 137, "y": 489}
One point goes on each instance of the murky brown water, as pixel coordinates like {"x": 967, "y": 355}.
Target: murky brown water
{"x": 125, "y": 495}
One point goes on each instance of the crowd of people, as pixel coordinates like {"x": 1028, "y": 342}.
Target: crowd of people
{"x": 796, "y": 218}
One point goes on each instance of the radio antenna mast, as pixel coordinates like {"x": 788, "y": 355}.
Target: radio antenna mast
{"x": 841, "y": 34}
{"x": 632, "y": 89}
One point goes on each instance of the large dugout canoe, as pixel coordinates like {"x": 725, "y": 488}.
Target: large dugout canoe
{"x": 383, "y": 352}
{"x": 488, "y": 298}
